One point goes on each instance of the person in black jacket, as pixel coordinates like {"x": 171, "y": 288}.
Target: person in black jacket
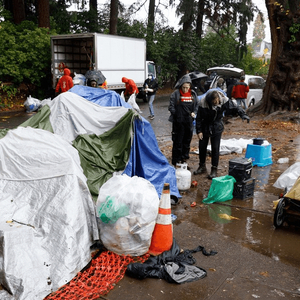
{"x": 209, "y": 125}
{"x": 151, "y": 86}
{"x": 183, "y": 108}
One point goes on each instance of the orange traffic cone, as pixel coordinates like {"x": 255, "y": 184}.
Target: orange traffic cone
{"x": 162, "y": 237}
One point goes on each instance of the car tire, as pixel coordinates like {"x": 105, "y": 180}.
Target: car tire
{"x": 279, "y": 215}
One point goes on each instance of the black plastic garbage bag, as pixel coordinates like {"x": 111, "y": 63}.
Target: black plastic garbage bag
{"x": 173, "y": 266}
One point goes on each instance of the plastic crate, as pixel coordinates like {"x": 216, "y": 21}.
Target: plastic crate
{"x": 244, "y": 189}
{"x": 261, "y": 155}
{"x": 240, "y": 168}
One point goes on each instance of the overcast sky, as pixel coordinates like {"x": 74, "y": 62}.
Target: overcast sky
{"x": 173, "y": 20}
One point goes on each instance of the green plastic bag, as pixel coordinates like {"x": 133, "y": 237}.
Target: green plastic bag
{"x": 111, "y": 210}
{"x": 221, "y": 189}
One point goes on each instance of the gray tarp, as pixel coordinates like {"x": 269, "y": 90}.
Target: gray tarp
{"x": 47, "y": 215}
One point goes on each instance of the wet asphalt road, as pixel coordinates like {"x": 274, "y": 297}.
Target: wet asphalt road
{"x": 254, "y": 260}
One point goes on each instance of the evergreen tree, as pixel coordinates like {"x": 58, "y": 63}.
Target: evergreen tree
{"x": 258, "y": 31}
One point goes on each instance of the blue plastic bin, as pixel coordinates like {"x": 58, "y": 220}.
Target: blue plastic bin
{"x": 261, "y": 155}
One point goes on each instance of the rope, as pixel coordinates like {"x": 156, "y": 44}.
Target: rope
{"x": 98, "y": 279}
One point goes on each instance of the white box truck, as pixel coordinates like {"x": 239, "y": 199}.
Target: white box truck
{"x": 115, "y": 56}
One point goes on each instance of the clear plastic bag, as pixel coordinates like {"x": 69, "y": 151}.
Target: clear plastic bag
{"x": 32, "y": 104}
{"x": 127, "y": 208}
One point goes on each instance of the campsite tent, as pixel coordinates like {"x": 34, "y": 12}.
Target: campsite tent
{"x": 47, "y": 215}
{"x": 109, "y": 136}
{"x": 50, "y": 166}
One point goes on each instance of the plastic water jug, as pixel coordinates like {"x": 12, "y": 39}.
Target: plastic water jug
{"x": 183, "y": 176}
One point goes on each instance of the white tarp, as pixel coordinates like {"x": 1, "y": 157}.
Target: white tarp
{"x": 234, "y": 145}
{"x": 47, "y": 215}
{"x": 72, "y": 115}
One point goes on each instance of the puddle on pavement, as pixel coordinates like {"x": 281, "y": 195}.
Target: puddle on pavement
{"x": 253, "y": 227}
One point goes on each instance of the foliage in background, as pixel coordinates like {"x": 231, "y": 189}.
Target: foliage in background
{"x": 217, "y": 49}
{"x": 7, "y": 95}
{"x": 24, "y": 52}
{"x": 254, "y": 66}
{"x": 258, "y": 31}
{"x": 26, "y": 48}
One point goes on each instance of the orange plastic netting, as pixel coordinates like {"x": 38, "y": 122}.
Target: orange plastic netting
{"x": 98, "y": 279}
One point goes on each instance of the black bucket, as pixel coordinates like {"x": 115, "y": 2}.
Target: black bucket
{"x": 258, "y": 141}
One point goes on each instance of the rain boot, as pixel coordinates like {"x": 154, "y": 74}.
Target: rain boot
{"x": 213, "y": 172}
{"x": 201, "y": 169}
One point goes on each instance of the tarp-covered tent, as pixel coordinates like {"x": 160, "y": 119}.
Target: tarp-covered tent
{"x": 49, "y": 168}
{"x": 47, "y": 215}
{"x": 109, "y": 136}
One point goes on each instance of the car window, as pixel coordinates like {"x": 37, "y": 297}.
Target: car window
{"x": 256, "y": 83}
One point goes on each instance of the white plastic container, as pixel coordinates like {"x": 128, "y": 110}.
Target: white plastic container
{"x": 183, "y": 176}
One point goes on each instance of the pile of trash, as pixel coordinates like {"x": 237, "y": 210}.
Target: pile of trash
{"x": 55, "y": 165}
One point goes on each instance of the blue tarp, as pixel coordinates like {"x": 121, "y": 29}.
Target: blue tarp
{"x": 146, "y": 159}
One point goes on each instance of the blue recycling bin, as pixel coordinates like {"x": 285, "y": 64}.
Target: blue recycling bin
{"x": 261, "y": 155}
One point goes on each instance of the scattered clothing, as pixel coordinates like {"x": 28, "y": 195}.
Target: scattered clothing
{"x": 173, "y": 266}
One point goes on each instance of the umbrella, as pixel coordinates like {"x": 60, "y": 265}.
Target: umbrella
{"x": 95, "y": 75}
{"x": 195, "y": 76}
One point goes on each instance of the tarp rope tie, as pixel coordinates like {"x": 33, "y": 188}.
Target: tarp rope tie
{"x": 98, "y": 279}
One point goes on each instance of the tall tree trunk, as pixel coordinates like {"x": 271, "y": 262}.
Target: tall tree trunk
{"x": 93, "y": 5}
{"x": 151, "y": 18}
{"x": 18, "y": 11}
{"x": 282, "y": 89}
{"x": 200, "y": 15}
{"x": 8, "y": 5}
{"x": 113, "y": 22}
{"x": 43, "y": 13}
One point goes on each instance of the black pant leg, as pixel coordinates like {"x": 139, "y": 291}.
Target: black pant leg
{"x": 203, "y": 149}
{"x": 177, "y": 137}
{"x": 215, "y": 149}
{"x": 186, "y": 140}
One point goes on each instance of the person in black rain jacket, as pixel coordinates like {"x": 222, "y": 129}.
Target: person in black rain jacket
{"x": 209, "y": 125}
{"x": 183, "y": 108}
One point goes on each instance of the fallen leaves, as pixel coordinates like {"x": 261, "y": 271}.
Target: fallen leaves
{"x": 227, "y": 217}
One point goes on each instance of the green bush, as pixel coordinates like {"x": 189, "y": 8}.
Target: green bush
{"x": 25, "y": 53}
{"x": 253, "y": 65}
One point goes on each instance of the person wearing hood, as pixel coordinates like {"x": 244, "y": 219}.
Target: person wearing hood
{"x": 65, "y": 82}
{"x": 183, "y": 108}
{"x": 151, "y": 86}
{"x": 209, "y": 125}
{"x": 130, "y": 87}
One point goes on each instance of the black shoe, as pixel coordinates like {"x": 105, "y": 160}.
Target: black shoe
{"x": 201, "y": 169}
{"x": 213, "y": 172}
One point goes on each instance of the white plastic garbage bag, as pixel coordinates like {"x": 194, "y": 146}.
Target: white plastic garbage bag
{"x": 127, "y": 208}
{"x": 132, "y": 102}
{"x": 122, "y": 96}
{"x": 287, "y": 179}
{"x": 79, "y": 79}
{"x": 32, "y": 104}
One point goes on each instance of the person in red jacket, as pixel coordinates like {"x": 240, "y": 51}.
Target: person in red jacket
{"x": 240, "y": 91}
{"x": 130, "y": 87}
{"x": 65, "y": 82}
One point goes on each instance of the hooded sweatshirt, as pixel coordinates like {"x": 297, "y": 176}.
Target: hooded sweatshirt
{"x": 130, "y": 87}
{"x": 65, "y": 82}
{"x": 182, "y": 105}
